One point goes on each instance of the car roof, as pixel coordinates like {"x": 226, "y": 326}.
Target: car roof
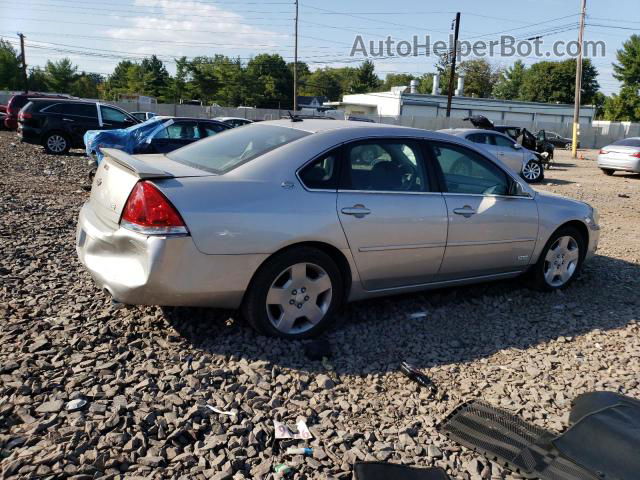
{"x": 66, "y": 100}
{"x": 314, "y": 125}
{"x": 222, "y": 119}
{"x": 459, "y": 132}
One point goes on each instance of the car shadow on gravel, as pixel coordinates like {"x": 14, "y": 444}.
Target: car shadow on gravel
{"x": 556, "y": 181}
{"x": 436, "y": 327}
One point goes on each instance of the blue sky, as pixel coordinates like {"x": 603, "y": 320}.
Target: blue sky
{"x": 95, "y": 34}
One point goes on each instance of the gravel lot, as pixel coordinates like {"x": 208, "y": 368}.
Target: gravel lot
{"x": 147, "y": 374}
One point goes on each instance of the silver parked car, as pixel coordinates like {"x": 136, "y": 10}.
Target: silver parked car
{"x": 519, "y": 159}
{"x": 287, "y": 219}
{"x": 621, "y": 155}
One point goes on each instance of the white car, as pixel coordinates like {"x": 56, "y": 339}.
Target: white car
{"x": 621, "y": 155}
{"x": 522, "y": 161}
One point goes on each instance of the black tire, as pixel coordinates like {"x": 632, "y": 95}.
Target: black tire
{"x": 608, "y": 172}
{"x": 537, "y": 274}
{"x": 536, "y": 167}
{"x": 254, "y": 306}
{"x": 56, "y": 143}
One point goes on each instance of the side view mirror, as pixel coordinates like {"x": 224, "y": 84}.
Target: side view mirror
{"x": 517, "y": 146}
{"x": 515, "y": 190}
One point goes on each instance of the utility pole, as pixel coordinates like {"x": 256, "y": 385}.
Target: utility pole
{"x": 576, "y": 109}
{"x": 295, "y": 64}
{"x": 453, "y": 64}
{"x": 24, "y": 63}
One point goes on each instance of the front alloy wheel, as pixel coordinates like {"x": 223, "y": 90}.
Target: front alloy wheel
{"x": 532, "y": 171}
{"x": 561, "y": 261}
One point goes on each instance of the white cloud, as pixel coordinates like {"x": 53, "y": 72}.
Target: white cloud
{"x": 186, "y": 21}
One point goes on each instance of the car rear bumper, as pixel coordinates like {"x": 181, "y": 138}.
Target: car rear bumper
{"x": 153, "y": 270}
{"x": 29, "y": 135}
{"x": 629, "y": 164}
{"x": 11, "y": 122}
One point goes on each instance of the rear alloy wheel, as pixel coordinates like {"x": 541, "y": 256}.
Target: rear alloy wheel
{"x": 608, "y": 172}
{"x": 533, "y": 171}
{"x": 294, "y": 294}
{"x": 560, "y": 261}
{"x": 56, "y": 144}
{"x": 568, "y": 146}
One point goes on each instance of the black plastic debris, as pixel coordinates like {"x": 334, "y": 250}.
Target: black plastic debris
{"x": 389, "y": 471}
{"x": 417, "y": 376}
{"x": 507, "y": 439}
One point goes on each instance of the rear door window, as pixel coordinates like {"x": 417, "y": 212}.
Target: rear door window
{"x": 180, "y": 130}
{"x": 81, "y": 110}
{"x": 210, "y": 129}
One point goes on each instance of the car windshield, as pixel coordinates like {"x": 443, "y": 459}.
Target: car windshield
{"x": 231, "y": 148}
{"x": 628, "y": 142}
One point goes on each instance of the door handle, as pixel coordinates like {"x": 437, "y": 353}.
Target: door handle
{"x": 357, "y": 211}
{"x": 465, "y": 211}
{"x": 501, "y": 154}
{"x": 68, "y": 120}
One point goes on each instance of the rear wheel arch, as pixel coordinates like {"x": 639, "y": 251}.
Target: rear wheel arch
{"x": 336, "y": 255}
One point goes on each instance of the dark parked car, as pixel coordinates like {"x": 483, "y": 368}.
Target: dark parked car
{"x": 143, "y": 116}
{"x": 559, "y": 141}
{"x": 156, "y": 135}
{"x": 59, "y": 124}
{"x": 234, "y": 121}
{"x": 16, "y": 103}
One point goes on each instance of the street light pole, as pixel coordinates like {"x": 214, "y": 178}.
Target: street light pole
{"x": 24, "y": 64}
{"x": 453, "y": 65}
{"x": 576, "y": 108}
{"x": 295, "y": 63}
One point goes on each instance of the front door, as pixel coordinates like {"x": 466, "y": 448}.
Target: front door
{"x": 394, "y": 219}
{"x": 113, "y": 118}
{"x": 490, "y": 231}
{"x": 176, "y": 135}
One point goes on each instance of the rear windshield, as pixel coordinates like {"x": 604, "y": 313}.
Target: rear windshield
{"x": 229, "y": 149}
{"x": 628, "y": 142}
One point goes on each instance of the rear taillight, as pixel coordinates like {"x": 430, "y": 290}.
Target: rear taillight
{"x": 148, "y": 211}
{"x": 24, "y": 116}
{"x": 636, "y": 155}
{"x": 602, "y": 152}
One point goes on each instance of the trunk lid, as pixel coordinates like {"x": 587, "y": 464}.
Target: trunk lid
{"x": 620, "y": 152}
{"x": 118, "y": 173}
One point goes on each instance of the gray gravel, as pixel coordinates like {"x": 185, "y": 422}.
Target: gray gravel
{"x": 146, "y": 374}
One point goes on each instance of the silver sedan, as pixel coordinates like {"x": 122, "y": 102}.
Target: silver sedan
{"x": 623, "y": 155}
{"x": 288, "y": 219}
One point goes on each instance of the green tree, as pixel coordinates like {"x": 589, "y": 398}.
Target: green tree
{"x": 155, "y": 75}
{"x": 397, "y": 80}
{"x": 37, "y": 80}
{"x": 425, "y": 83}
{"x": 204, "y": 79}
{"x": 479, "y": 77}
{"x": 624, "y": 107}
{"x": 85, "y": 86}
{"x": 323, "y": 81}
{"x": 60, "y": 75}
{"x": 366, "y": 78}
{"x": 555, "y": 82}
{"x": 510, "y": 82}
{"x": 347, "y": 76}
{"x": 271, "y": 82}
{"x": 627, "y": 70}
{"x": 10, "y": 78}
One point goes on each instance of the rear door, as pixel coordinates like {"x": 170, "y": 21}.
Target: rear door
{"x": 394, "y": 219}
{"x": 176, "y": 135}
{"x": 78, "y": 118}
{"x": 209, "y": 129}
{"x": 507, "y": 152}
{"x": 489, "y": 231}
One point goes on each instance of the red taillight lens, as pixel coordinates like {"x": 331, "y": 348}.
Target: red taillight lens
{"x": 148, "y": 211}
{"x": 602, "y": 152}
{"x": 636, "y": 155}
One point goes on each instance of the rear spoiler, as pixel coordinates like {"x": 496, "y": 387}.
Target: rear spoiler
{"x": 141, "y": 169}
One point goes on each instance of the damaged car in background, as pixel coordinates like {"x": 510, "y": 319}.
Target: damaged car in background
{"x": 286, "y": 221}
{"x": 156, "y": 135}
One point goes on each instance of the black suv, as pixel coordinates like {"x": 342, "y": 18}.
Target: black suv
{"x": 59, "y": 125}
